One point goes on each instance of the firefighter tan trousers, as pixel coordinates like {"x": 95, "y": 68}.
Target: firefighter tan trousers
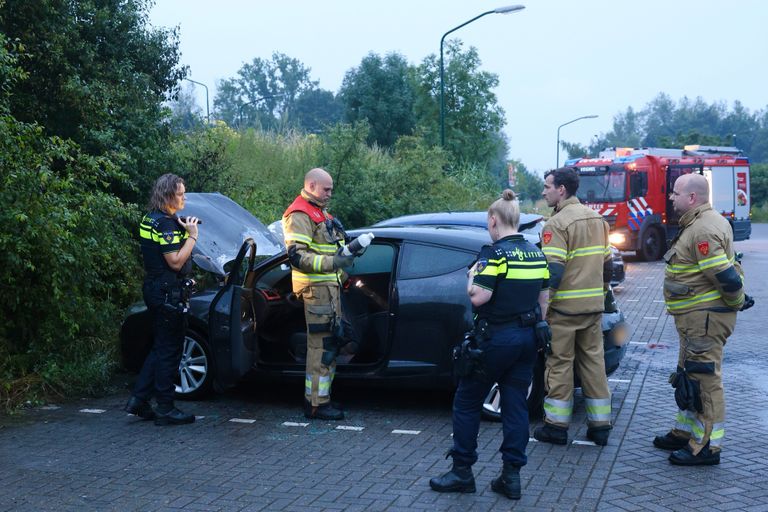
{"x": 322, "y": 311}
{"x": 702, "y": 337}
{"x": 577, "y": 343}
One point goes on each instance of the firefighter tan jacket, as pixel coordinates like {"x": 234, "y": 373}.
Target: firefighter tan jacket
{"x": 311, "y": 246}
{"x": 575, "y": 241}
{"x": 701, "y": 271}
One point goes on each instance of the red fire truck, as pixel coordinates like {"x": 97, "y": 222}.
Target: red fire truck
{"x": 630, "y": 187}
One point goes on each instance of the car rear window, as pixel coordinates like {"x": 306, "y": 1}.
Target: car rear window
{"x": 421, "y": 260}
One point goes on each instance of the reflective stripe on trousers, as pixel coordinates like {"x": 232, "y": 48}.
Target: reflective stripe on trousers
{"x": 558, "y": 411}
{"x": 598, "y": 409}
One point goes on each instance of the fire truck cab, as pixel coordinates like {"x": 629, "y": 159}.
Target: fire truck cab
{"x": 630, "y": 187}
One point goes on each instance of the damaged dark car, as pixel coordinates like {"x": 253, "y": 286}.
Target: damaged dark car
{"x": 404, "y": 305}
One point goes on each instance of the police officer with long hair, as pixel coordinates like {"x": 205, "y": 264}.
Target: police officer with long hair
{"x": 166, "y": 247}
{"x": 508, "y": 288}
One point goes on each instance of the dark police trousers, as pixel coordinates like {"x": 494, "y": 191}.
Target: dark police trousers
{"x": 162, "y": 363}
{"x": 508, "y": 359}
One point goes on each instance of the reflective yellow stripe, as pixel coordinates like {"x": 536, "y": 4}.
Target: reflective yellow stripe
{"x": 673, "y": 305}
{"x": 713, "y": 262}
{"x": 528, "y": 273}
{"x": 298, "y": 237}
{"x": 587, "y": 251}
{"x": 317, "y": 263}
{"x": 578, "y": 294}
{"x": 554, "y": 251}
{"x": 323, "y": 248}
{"x": 301, "y": 277}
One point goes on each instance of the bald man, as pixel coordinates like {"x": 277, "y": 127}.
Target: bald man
{"x": 313, "y": 242}
{"x": 703, "y": 291}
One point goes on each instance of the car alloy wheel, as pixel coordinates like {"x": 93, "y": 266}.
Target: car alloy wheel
{"x": 195, "y": 372}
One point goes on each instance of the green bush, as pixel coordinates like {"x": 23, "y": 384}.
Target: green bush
{"x": 68, "y": 265}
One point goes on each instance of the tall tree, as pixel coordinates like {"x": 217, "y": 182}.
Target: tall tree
{"x": 666, "y": 123}
{"x": 264, "y": 92}
{"x": 380, "y": 91}
{"x": 101, "y": 76}
{"x": 316, "y": 109}
{"x": 473, "y": 117}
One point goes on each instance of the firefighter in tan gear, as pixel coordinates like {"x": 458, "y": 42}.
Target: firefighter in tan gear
{"x": 314, "y": 241}
{"x": 575, "y": 242}
{"x": 703, "y": 290}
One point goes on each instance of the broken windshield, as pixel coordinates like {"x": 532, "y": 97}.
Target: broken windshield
{"x": 601, "y": 185}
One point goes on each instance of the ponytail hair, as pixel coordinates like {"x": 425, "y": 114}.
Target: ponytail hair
{"x": 506, "y": 209}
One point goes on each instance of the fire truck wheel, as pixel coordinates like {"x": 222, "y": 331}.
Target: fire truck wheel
{"x": 653, "y": 245}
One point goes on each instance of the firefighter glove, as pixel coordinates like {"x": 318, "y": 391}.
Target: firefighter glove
{"x": 749, "y": 301}
{"x": 687, "y": 391}
{"x": 543, "y": 337}
{"x": 342, "y": 261}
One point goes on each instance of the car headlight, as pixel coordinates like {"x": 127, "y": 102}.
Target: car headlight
{"x": 617, "y": 239}
{"x": 619, "y": 334}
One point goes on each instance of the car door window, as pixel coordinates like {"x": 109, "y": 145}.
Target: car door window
{"x": 421, "y": 260}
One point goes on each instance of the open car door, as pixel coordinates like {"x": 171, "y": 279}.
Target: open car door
{"x": 232, "y": 321}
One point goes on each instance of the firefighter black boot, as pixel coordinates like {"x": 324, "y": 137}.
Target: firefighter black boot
{"x": 458, "y": 479}
{"x": 599, "y": 435}
{"x": 508, "y": 482}
{"x": 551, "y": 434}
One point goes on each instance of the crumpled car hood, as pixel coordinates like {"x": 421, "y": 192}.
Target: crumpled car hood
{"x": 225, "y": 226}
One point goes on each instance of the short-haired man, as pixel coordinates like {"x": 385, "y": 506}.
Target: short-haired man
{"x": 313, "y": 240}
{"x": 575, "y": 242}
{"x": 703, "y": 291}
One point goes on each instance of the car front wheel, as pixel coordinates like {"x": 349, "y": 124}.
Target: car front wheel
{"x": 195, "y": 377}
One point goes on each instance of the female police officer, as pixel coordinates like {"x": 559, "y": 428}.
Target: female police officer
{"x": 166, "y": 246}
{"x": 508, "y": 288}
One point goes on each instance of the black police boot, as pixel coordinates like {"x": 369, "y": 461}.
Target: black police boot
{"x": 322, "y": 412}
{"x": 551, "y": 434}
{"x": 458, "y": 479}
{"x": 172, "y": 416}
{"x": 685, "y": 457}
{"x": 140, "y": 408}
{"x": 669, "y": 441}
{"x": 599, "y": 435}
{"x": 508, "y": 482}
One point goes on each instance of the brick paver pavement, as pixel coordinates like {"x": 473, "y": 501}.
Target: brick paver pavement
{"x": 64, "y": 459}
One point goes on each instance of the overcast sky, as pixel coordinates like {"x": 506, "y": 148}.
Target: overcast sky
{"x": 556, "y": 60}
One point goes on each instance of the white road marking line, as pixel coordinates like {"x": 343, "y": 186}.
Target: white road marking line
{"x": 93, "y": 411}
{"x": 533, "y": 440}
{"x": 650, "y": 318}
{"x": 294, "y": 424}
{"x": 624, "y": 381}
{"x": 199, "y": 418}
{"x": 242, "y": 420}
{"x": 583, "y": 443}
{"x": 660, "y": 301}
{"x": 407, "y": 432}
{"x": 642, "y": 287}
{"x": 633, "y": 300}
{"x": 638, "y": 342}
{"x": 50, "y": 407}
{"x": 350, "y": 427}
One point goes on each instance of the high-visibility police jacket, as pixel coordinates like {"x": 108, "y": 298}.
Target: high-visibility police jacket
{"x": 311, "y": 240}
{"x": 701, "y": 271}
{"x": 575, "y": 242}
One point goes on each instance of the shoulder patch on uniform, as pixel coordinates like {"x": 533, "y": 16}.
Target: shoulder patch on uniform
{"x": 546, "y": 237}
{"x": 168, "y": 236}
{"x": 703, "y": 247}
{"x": 480, "y": 266}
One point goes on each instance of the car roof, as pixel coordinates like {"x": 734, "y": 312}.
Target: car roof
{"x": 468, "y": 239}
{"x": 475, "y": 219}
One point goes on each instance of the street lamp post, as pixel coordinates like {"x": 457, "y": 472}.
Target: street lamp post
{"x": 207, "y": 108}
{"x": 499, "y": 10}
{"x": 558, "y": 134}
{"x": 240, "y": 108}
